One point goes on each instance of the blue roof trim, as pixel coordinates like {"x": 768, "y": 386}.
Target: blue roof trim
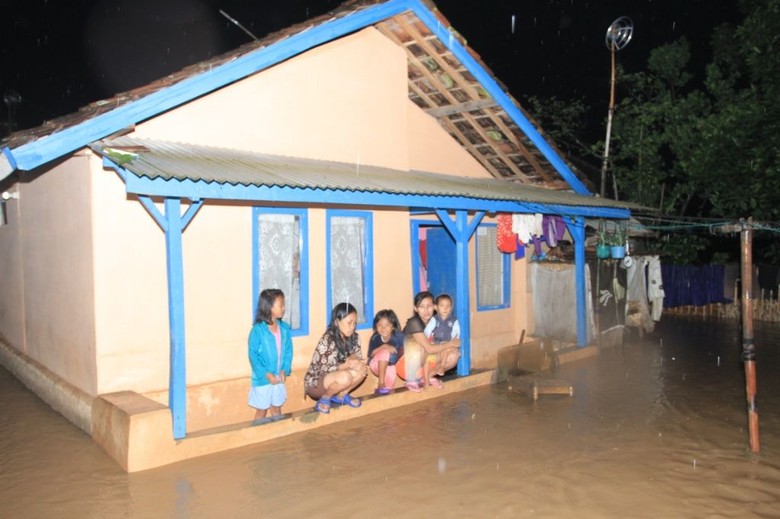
{"x": 270, "y": 194}
{"x": 460, "y": 52}
{"x": 53, "y": 146}
{"x": 8, "y": 155}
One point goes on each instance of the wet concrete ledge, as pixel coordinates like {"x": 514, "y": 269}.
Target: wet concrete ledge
{"x": 136, "y": 431}
{"x": 71, "y": 402}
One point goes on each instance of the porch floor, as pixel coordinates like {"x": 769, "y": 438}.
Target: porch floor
{"x": 139, "y": 437}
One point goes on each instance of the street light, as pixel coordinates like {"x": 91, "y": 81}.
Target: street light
{"x": 618, "y": 35}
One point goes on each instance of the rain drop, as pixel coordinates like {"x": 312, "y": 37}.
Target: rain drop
{"x": 513, "y": 24}
{"x": 442, "y": 465}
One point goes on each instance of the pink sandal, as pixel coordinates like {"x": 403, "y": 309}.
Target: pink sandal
{"x": 435, "y": 382}
{"x": 413, "y": 386}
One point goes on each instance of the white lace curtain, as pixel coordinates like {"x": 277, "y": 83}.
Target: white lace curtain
{"x": 347, "y": 262}
{"x": 279, "y": 258}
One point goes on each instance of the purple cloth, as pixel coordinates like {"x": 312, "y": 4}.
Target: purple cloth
{"x": 553, "y": 228}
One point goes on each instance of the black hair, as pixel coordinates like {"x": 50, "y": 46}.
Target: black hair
{"x": 264, "y": 304}
{"x": 390, "y": 316}
{"x": 442, "y": 296}
{"x": 343, "y": 344}
{"x": 420, "y": 297}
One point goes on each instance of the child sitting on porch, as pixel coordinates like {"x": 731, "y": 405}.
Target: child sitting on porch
{"x": 384, "y": 349}
{"x": 270, "y": 354}
{"x": 442, "y": 329}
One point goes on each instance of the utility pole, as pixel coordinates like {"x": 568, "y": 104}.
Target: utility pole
{"x": 748, "y": 348}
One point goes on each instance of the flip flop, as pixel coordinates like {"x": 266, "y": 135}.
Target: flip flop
{"x": 413, "y": 387}
{"x": 323, "y": 405}
{"x": 382, "y": 391}
{"x": 346, "y": 400}
{"x": 351, "y": 402}
{"x": 435, "y": 382}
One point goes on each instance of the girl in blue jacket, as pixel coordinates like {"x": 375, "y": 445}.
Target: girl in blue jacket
{"x": 270, "y": 354}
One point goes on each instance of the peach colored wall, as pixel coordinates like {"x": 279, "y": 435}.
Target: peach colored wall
{"x": 12, "y": 274}
{"x": 131, "y": 308}
{"x": 298, "y": 108}
{"x": 56, "y": 251}
{"x": 447, "y": 157}
{"x": 344, "y": 101}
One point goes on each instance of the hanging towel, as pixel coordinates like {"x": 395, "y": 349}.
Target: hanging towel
{"x": 554, "y": 228}
{"x": 523, "y": 224}
{"x": 538, "y": 228}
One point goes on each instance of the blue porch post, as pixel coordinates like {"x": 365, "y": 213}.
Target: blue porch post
{"x": 461, "y": 231}
{"x": 173, "y": 224}
{"x": 576, "y": 228}
{"x": 177, "y": 390}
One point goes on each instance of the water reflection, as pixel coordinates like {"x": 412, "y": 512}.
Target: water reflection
{"x": 656, "y": 428}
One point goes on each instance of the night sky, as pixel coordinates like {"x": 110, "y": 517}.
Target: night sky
{"x": 59, "y": 56}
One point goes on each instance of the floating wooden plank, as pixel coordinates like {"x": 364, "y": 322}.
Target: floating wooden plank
{"x": 534, "y": 386}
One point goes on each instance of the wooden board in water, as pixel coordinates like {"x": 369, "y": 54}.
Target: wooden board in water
{"x": 535, "y": 386}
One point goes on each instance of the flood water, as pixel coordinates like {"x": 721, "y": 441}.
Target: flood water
{"x": 654, "y": 429}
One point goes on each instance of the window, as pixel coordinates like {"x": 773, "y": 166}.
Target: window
{"x": 350, "y": 263}
{"x": 281, "y": 261}
{"x": 492, "y": 271}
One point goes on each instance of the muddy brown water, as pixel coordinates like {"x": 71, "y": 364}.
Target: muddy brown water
{"x": 654, "y": 429}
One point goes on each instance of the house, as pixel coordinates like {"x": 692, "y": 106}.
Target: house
{"x": 323, "y": 159}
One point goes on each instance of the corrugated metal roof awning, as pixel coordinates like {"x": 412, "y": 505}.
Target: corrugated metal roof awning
{"x": 177, "y": 161}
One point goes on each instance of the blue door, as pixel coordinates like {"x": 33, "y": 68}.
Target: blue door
{"x": 440, "y": 255}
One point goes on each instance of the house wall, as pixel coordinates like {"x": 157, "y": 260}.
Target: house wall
{"x": 447, "y": 157}
{"x": 47, "y": 308}
{"x": 12, "y": 274}
{"x": 345, "y": 101}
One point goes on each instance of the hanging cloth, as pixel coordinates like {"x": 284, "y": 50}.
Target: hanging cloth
{"x": 523, "y": 224}
{"x": 655, "y": 286}
{"x": 506, "y": 240}
{"x": 554, "y": 228}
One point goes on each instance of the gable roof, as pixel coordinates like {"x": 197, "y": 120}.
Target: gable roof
{"x": 446, "y": 79}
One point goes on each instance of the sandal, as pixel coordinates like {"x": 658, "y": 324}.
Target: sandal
{"x": 323, "y": 405}
{"x": 435, "y": 382}
{"x": 351, "y": 402}
{"x": 346, "y": 400}
{"x": 382, "y": 391}
{"x": 413, "y": 387}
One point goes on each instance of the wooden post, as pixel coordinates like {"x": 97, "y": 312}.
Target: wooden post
{"x": 748, "y": 348}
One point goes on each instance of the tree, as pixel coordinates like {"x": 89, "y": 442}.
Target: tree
{"x": 703, "y": 145}
{"x": 709, "y": 149}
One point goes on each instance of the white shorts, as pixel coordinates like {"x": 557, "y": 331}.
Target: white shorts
{"x": 263, "y": 397}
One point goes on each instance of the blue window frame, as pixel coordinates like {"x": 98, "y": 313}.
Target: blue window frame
{"x": 493, "y": 271}
{"x": 350, "y": 263}
{"x": 280, "y": 259}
